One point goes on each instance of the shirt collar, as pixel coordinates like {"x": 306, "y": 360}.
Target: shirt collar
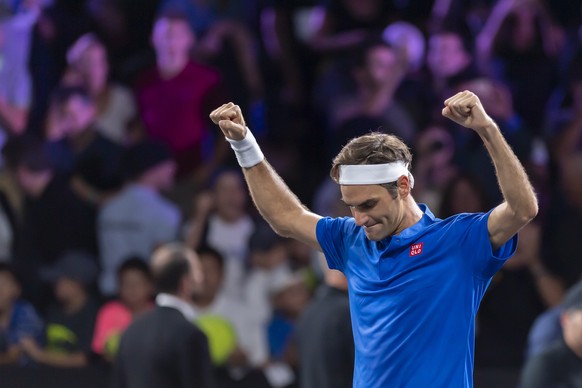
{"x": 167, "y": 300}
{"x": 426, "y": 219}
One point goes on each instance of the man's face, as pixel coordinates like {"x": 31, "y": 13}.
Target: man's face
{"x": 446, "y": 55}
{"x": 172, "y": 40}
{"x": 572, "y": 327}
{"x": 77, "y": 114}
{"x": 9, "y": 291}
{"x": 212, "y": 274}
{"x": 230, "y": 196}
{"x": 381, "y": 64}
{"x": 135, "y": 289}
{"x": 374, "y": 209}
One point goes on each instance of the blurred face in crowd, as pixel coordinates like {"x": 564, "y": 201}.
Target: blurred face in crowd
{"x": 93, "y": 67}
{"x": 270, "y": 258}
{"x": 465, "y": 198}
{"x": 135, "y": 289}
{"x": 572, "y": 329}
{"x": 77, "y": 114}
{"x": 161, "y": 176}
{"x": 9, "y": 291}
{"x": 212, "y": 276}
{"x": 446, "y": 55}
{"x": 380, "y": 64}
{"x": 67, "y": 290}
{"x": 292, "y": 299}
{"x": 230, "y": 196}
{"x": 172, "y": 39}
{"x": 364, "y": 9}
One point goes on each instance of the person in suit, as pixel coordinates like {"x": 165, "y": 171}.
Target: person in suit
{"x": 163, "y": 348}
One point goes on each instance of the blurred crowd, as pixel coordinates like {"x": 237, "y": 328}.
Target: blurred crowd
{"x": 108, "y": 153}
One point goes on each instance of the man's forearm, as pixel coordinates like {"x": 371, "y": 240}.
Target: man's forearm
{"x": 276, "y": 203}
{"x": 513, "y": 181}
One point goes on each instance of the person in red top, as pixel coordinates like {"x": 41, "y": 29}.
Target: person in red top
{"x": 176, "y": 96}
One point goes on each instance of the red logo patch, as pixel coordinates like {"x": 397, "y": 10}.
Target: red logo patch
{"x": 416, "y": 249}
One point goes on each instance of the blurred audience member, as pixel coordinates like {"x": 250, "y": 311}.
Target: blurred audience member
{"x": 268, "y": 266}
{"x": 377, "y": 70}
{"x": 134, "y": 298}
{"x": 15, "y": 82}
{"x": 116, "y": 108}
{"x": 70, "y": 323}
{"x": 220, "y": 26}
{"x": 463, "y": 194}
{"x": 18, "y": 319}
{"x": 54, "y": 220}
{"x": 561, "y": 364}
{"x": 78, "y": 148}
{"x": 434, "y": 168}
{"x": 449, "y": 61}
{"x": 521, "y": 291}
{"x": 176, "y": 96}
{"x": 163, "y": 348}
{"x": 546, "y": 328}
{"x": 250, "y": 351}
{"x": 59, "y": 25}
{"x": 520, "y": 43}
{"x": 324, "y": 336}
{"x": 139, "y": 218}
{"x": 345, "y": 24}
{"x": 222, "y": 221}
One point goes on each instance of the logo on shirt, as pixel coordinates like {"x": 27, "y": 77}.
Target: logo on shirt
{"x": 416, "y": 249}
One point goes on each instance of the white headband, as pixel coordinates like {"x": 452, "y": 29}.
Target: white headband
{"x": 371, "y": 174}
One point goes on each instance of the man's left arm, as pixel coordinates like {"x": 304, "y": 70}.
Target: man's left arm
{"x": 520, "y": 204}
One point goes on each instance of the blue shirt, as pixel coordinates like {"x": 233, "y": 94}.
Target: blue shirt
{"x": 24, "y": 322}
{"x": 414, "y": 296}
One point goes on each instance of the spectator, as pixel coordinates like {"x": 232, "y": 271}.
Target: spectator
{"x": 268, "y": 266}
{"x": 449, "y": 60}
{"x": 70, "y": 324}
{"x": 116, "y": 108}
{"x": 560, "y": 365}
{"x": 250, "y": 353}
{"x": 163, "y": 348}
{"x": 546, "y": 328}
{"x": 521, "y": 43}
{"x": 18, "y": 319}
{"x": 222, "y": 222}
{"x": 434, "y": 168}
{"x": 79, "y": 150}
{"x": 54, "y": 220}
{"x": 176, "y": 96}
{"x": 219, "y": 28}
{"x": 135, "y": 298}
{"x": 521, "y": 291}
{"x": 138, "y": 219}
{"x": 15, "y": 82}
{"x": 378, "y": 70}
{"x": 324, "y": 336}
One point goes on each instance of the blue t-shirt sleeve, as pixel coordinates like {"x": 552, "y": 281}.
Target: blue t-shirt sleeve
{"x": 474, "y": 239}
{"x": 330, "y": 235}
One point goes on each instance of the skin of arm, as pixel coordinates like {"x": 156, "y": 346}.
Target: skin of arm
{"x": 276, "y": 203}
{"x": 520, "y": 204}
{"x": 40, "y": 355}
{"x": 11, "y": 356}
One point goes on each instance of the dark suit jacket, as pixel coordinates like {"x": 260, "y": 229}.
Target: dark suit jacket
{"x": 162, "y": 349}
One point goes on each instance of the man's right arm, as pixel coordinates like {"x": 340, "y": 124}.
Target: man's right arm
{"x": 276, "y": 203}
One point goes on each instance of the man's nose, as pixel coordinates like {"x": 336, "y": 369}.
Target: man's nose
{"x": 360, "y": 217}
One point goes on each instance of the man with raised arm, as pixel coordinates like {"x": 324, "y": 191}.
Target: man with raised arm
{"x": 414, "y": 281}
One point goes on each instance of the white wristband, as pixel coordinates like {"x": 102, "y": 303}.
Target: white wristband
{"x": 247, "y": 151}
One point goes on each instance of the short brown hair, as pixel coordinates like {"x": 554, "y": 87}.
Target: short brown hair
{"x": 373, "y": 148}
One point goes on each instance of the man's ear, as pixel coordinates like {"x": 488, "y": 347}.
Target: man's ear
{"x": 403, "y": 185}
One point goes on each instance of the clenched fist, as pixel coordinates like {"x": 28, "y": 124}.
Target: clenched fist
{"x": 230, "y": 120}
{"x": 464, "y": 108}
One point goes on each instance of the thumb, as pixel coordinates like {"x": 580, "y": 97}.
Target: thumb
{"x": 446, "y": 111}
